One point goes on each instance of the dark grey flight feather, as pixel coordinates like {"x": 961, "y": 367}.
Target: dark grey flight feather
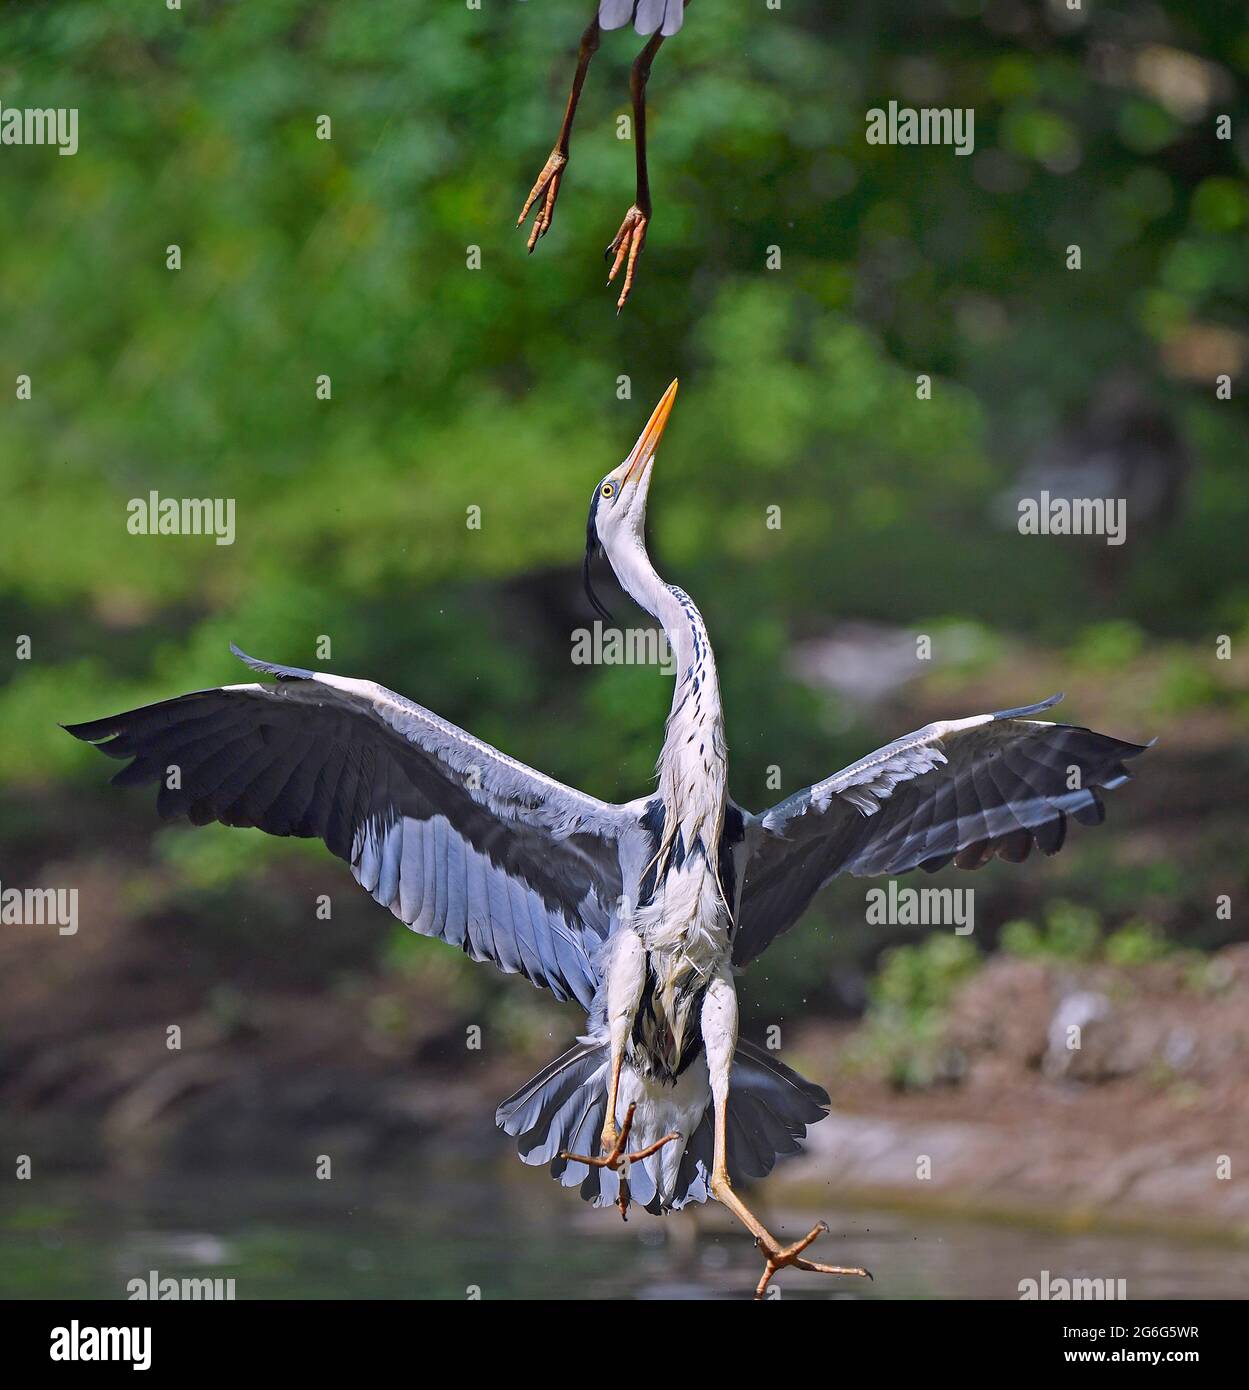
{"x": 959, "y": 791}
{"x": 458, "y": 840}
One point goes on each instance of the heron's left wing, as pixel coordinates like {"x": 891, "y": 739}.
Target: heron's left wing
{"x": 961, "y": 790}
{"x": 458, "y": 840}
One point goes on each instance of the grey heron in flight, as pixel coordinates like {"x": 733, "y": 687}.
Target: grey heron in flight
{"x": 641, "y": 912}
{"x": 656, "y": 20}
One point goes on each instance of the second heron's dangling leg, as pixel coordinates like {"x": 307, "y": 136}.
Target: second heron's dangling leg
{"x": 626, "y": 245}
{"x": 626, "y": 973}
{"x": 547, "y": 185}
{"x": 719, "y": 1021}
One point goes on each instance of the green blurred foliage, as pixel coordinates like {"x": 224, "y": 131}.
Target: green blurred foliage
{"x": 1070, "y": 932}
{"x": 902, "y": 1035}
{"x": 1075, "y": 933}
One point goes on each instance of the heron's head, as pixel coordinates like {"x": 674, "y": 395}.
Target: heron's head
{"x": 618, "y": 508}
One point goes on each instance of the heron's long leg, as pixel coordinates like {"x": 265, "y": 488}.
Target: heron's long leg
{"x": 719, "y": 1021}
{"x": 548, "y": 181}
{"x": 610, "y": 1133}
{"x": 626, "y": 245}
{"x": 626, "y": 972}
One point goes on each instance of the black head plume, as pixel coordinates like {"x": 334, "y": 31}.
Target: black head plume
{"x": 592, "y": 547}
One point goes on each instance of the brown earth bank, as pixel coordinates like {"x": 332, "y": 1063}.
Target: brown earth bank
{"x": 1144, "y": 1121}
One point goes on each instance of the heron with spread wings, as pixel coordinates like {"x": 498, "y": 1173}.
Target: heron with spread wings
{"x": 655, "y": 20}
{"x": 640, "y": 912}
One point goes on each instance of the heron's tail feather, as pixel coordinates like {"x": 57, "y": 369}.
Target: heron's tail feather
{"x": 562, "y": 1109}
{"x": 770, "y": 1107}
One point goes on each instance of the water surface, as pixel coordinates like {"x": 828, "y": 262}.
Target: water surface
{"x": 509, "y": 1233}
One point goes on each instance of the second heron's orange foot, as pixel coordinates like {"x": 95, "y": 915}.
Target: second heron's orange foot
{"x": 545, "y": 188}
{"x": 626, "y": 246}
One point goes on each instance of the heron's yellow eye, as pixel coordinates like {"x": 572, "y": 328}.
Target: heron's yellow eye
{"x": 607, "y": 490}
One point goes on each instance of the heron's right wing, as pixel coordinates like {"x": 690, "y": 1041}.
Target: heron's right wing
{"x": 458, "y": 840}
{"x": 960, "y": 789}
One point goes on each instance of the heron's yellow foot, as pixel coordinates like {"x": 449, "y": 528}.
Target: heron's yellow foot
{"x": 626, "y": 247}
{"x": 615, "y": 1157}
{"x": 547, "y": 189}
{"x": 777, "y": 1257}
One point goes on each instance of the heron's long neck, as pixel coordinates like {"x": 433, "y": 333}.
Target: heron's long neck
{"x": 693, "y": 762}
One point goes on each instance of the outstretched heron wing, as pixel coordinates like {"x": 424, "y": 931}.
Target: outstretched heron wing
{"x": 457, "y": 839}
{"x": 961, "y": 790}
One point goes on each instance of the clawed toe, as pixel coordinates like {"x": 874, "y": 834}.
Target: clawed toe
{"x": 777, "y": 1257}
{"x": 615, "y": 1157}
{"x": 626, "y": 246}
{"x": 547, "y": 188}
{"x": 614, "y": 1146}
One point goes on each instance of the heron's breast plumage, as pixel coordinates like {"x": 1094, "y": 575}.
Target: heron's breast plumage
{"x": 685, "y": 931}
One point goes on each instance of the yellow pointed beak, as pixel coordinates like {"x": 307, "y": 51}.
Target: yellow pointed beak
{"x": 648, "y": 440}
